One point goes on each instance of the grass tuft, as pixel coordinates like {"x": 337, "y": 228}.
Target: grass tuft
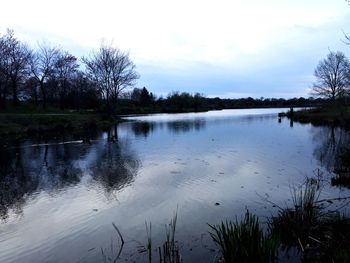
{"x": 320, "y": 235}
{"x": 244, "y": 241}
{"x": 170, "y": 252}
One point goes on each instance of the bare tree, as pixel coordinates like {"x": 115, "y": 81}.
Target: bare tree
{"x": 42, "y": 67}
{"x": 112, "y": 71}
{"x": 65, "y": 67}
{"x": 14, "y": 65}
{"x": 332, "y": 76}
{"x": 32, "y": 89}
{"x": 3, "y": 73}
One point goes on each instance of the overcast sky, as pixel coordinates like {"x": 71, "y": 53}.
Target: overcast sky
{"x": 226, "y": 48}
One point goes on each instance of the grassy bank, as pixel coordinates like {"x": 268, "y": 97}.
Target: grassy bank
{"x": 34, "y": 122}
{"x": 327, "y": 115}
{"x": 21, "y": 121}
{"x": 26, "y": 118}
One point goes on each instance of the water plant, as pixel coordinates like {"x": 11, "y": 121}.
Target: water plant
{"x": 170, "y": 252}
{"x": 319, "y": 233}
{"x": 244, "y": 241}
{"x": 149, "y": 240}
{"x": 309, "y": 226}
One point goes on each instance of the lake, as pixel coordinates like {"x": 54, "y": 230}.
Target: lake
{"x": 61, "y": 193}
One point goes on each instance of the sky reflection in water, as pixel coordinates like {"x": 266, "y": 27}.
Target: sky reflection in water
{"x": 58, "y": 200}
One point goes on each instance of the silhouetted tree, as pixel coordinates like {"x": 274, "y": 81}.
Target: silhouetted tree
{"x": 198, "y": 101}
{"x": 83, "y": 93}
{"x": 32, "y": 89}
{"x": 43, "y": 66}
{"x": 145, "y": 97}
{"x": 112, "y": 70}
{"x": 332, "y": 76}
{"x": 3, "y": 75}
{"x": 135, "y": 95}
{"x": 14, "y": 65}
{"x": 65, "y": 67}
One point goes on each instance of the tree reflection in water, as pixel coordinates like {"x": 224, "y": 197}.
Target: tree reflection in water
{"x": 186, "y": 126}
{"x": 333, "y": 152}
{"x": 142, "y": 128}
{"x": 115, "y": 164}
{"x": 145, "y": 128}
{"x": 33, "y": 166}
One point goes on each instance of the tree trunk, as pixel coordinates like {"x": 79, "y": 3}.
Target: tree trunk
{"x": 43, "y": 92}
{"x": 108, "y": 103}
{"x": 2, "y": 97}
{"x": 36, "y": 97}
{"x": 62, "y": 102}
{"x": 63, "y": 95}
{"x": 14, "y": 93}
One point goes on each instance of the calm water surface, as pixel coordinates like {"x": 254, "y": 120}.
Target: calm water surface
{"x": 59, "y": 195}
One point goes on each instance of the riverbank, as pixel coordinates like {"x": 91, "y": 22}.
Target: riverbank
{"x": 327, "y": 115}
{"x": 29, "y": 123}
{"x": 28, "y": 120}
{"x": 25, "y": 118}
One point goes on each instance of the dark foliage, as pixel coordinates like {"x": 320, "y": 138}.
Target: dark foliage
{"x": 51, "y": 77}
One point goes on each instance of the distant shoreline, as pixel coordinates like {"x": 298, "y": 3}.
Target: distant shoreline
{"x": 21, "y": 123}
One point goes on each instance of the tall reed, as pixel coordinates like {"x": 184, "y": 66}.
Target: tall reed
{"x": 244, "y": 241}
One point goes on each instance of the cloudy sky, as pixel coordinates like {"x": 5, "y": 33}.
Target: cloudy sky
{"x": 226, "y": 48}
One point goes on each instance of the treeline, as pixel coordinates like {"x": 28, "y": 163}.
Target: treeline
{"x": 143, "y": 101}
{"x": 50, "y": 76}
